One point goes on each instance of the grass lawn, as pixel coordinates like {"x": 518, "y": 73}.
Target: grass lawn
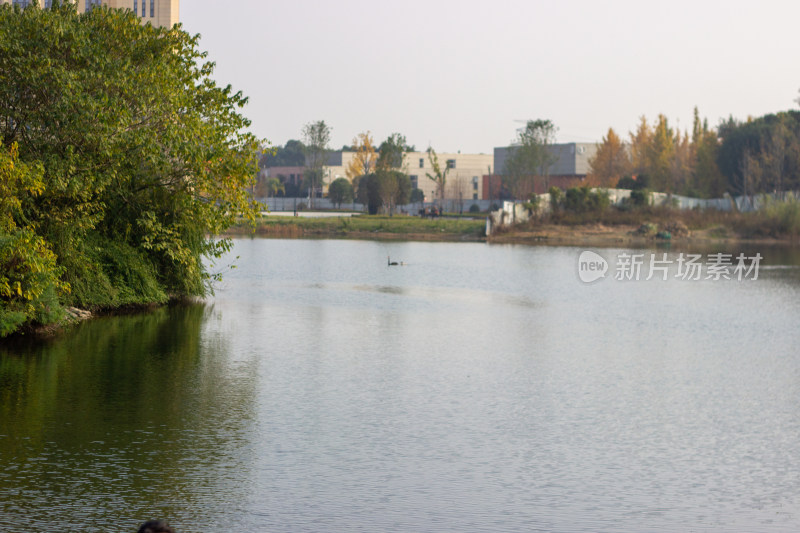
{"x": 367, "y": 226}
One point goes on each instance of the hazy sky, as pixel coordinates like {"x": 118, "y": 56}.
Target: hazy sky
{"x": 459, "y": 75}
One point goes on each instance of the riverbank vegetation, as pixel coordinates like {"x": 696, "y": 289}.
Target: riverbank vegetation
{"x": 580, "y": 214}
{"x": 119, "y": 156}
{"x": 367, "y": 226}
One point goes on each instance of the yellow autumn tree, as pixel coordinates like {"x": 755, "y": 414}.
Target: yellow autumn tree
{"x": 661, "y": 154}
{"x": 365, "y": 157}
{"x": 640, "y": 146}
{"x": 610, "y": 162}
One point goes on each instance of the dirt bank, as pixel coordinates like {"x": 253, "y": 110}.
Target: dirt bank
{"x": 600, "y": 235}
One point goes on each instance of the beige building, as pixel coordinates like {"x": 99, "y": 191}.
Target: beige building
{"x": 157, "y": 12}
{"x": 464, "y": 174}
{"x": 464, "y": 177}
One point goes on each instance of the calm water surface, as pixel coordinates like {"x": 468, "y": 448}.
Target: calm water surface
{"x": 475, "y": 388}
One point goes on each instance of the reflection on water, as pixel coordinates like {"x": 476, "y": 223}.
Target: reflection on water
{"x": 479, "y": 388}
{"x": 121, "y": 420}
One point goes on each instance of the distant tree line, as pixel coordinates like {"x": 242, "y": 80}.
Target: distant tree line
{"x": 376, "y": 176}
{"x": 759, "y": 155}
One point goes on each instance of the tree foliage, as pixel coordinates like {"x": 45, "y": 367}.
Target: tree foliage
{"x": 673, "y": 161}
{"x": 530, "y": 157}
{"x": 394, "y": 185}
{"x": 439, "y": 176}
{"x": 368, "y": 193}
{"x": 391, "y": 152}
{"x": 365, "y": 157}
{"x": 610, "y": 162}
{"x": 761, "y": 155}
{"x": 268, "y": 187}
{"x": 138, "y": 148}
{"x": 292, "y": 154}
{"x": 29, "y": 275}
{"x": 317, "y": 136}
{"x": 340, "y": 191}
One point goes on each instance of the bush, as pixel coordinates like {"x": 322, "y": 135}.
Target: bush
{"x": 532, "y": 205}
{"x": 646, "y": 230}
{"x": 556, "y": 196}
{"x": 584, "y": 200}
{"x": 783, "y": 217}
{"x": 474, "y": 208}
{"x": 110, "y": 273}
{"x": 634, "y": 184}
{"x": 340, "y": 191}
{"x": 639, "y": 198}
{"x": 29, "y": 281}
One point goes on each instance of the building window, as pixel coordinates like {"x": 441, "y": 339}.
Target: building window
{"x": 414, "y": 182}
{"x": 451, "y": 163}
{"x": 48, "y": 4}
{"x": 144, "y": 8}
{"x": 152, "y": 8}
{"x": 475, "y": 196}
{"x": 135, "y": 6}
{"x": 21, "y": 3}
{"x": 91, "y": 3}
{"x": 421, "y": 162}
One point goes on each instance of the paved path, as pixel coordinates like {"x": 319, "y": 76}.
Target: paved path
{"x": 310, "y": 214}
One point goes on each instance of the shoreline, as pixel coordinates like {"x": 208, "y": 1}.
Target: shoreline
{"x": 599, "y": 235}
{"x": 581, "y": 235}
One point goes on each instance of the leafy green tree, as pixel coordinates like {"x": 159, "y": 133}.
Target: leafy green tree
{"x": 317, "y": 136}
{"x": 439, "y": 176}
{"x": 394, "y": 185}
{"x": 269, "y": 187}
{"x": 340, "y": 191}
{"x": 539, "y": 136}
{"x": 394, "y": 188}
{"x": 29, "y": 276}
{"x": 140, "y": 150}
{"x": 274, "y": 186}
{"x": 390, "y": 152}
{"x": 293, "y": 154}
{"x": 517, "y": 175}
{"x": 531, "y": 156}
{"x": 417, "y": 196}
{"x": 556, "y": 199}
{"x": 368, "y": 193}
{"x": 707, "y": 179}
{"x": 586, "y": 200}
{"x": 762, "y": 154}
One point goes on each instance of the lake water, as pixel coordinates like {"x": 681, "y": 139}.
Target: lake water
{"x": 475, "y": 388}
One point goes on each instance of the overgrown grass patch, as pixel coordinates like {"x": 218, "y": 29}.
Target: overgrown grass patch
{"x": 280, "y": 226}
